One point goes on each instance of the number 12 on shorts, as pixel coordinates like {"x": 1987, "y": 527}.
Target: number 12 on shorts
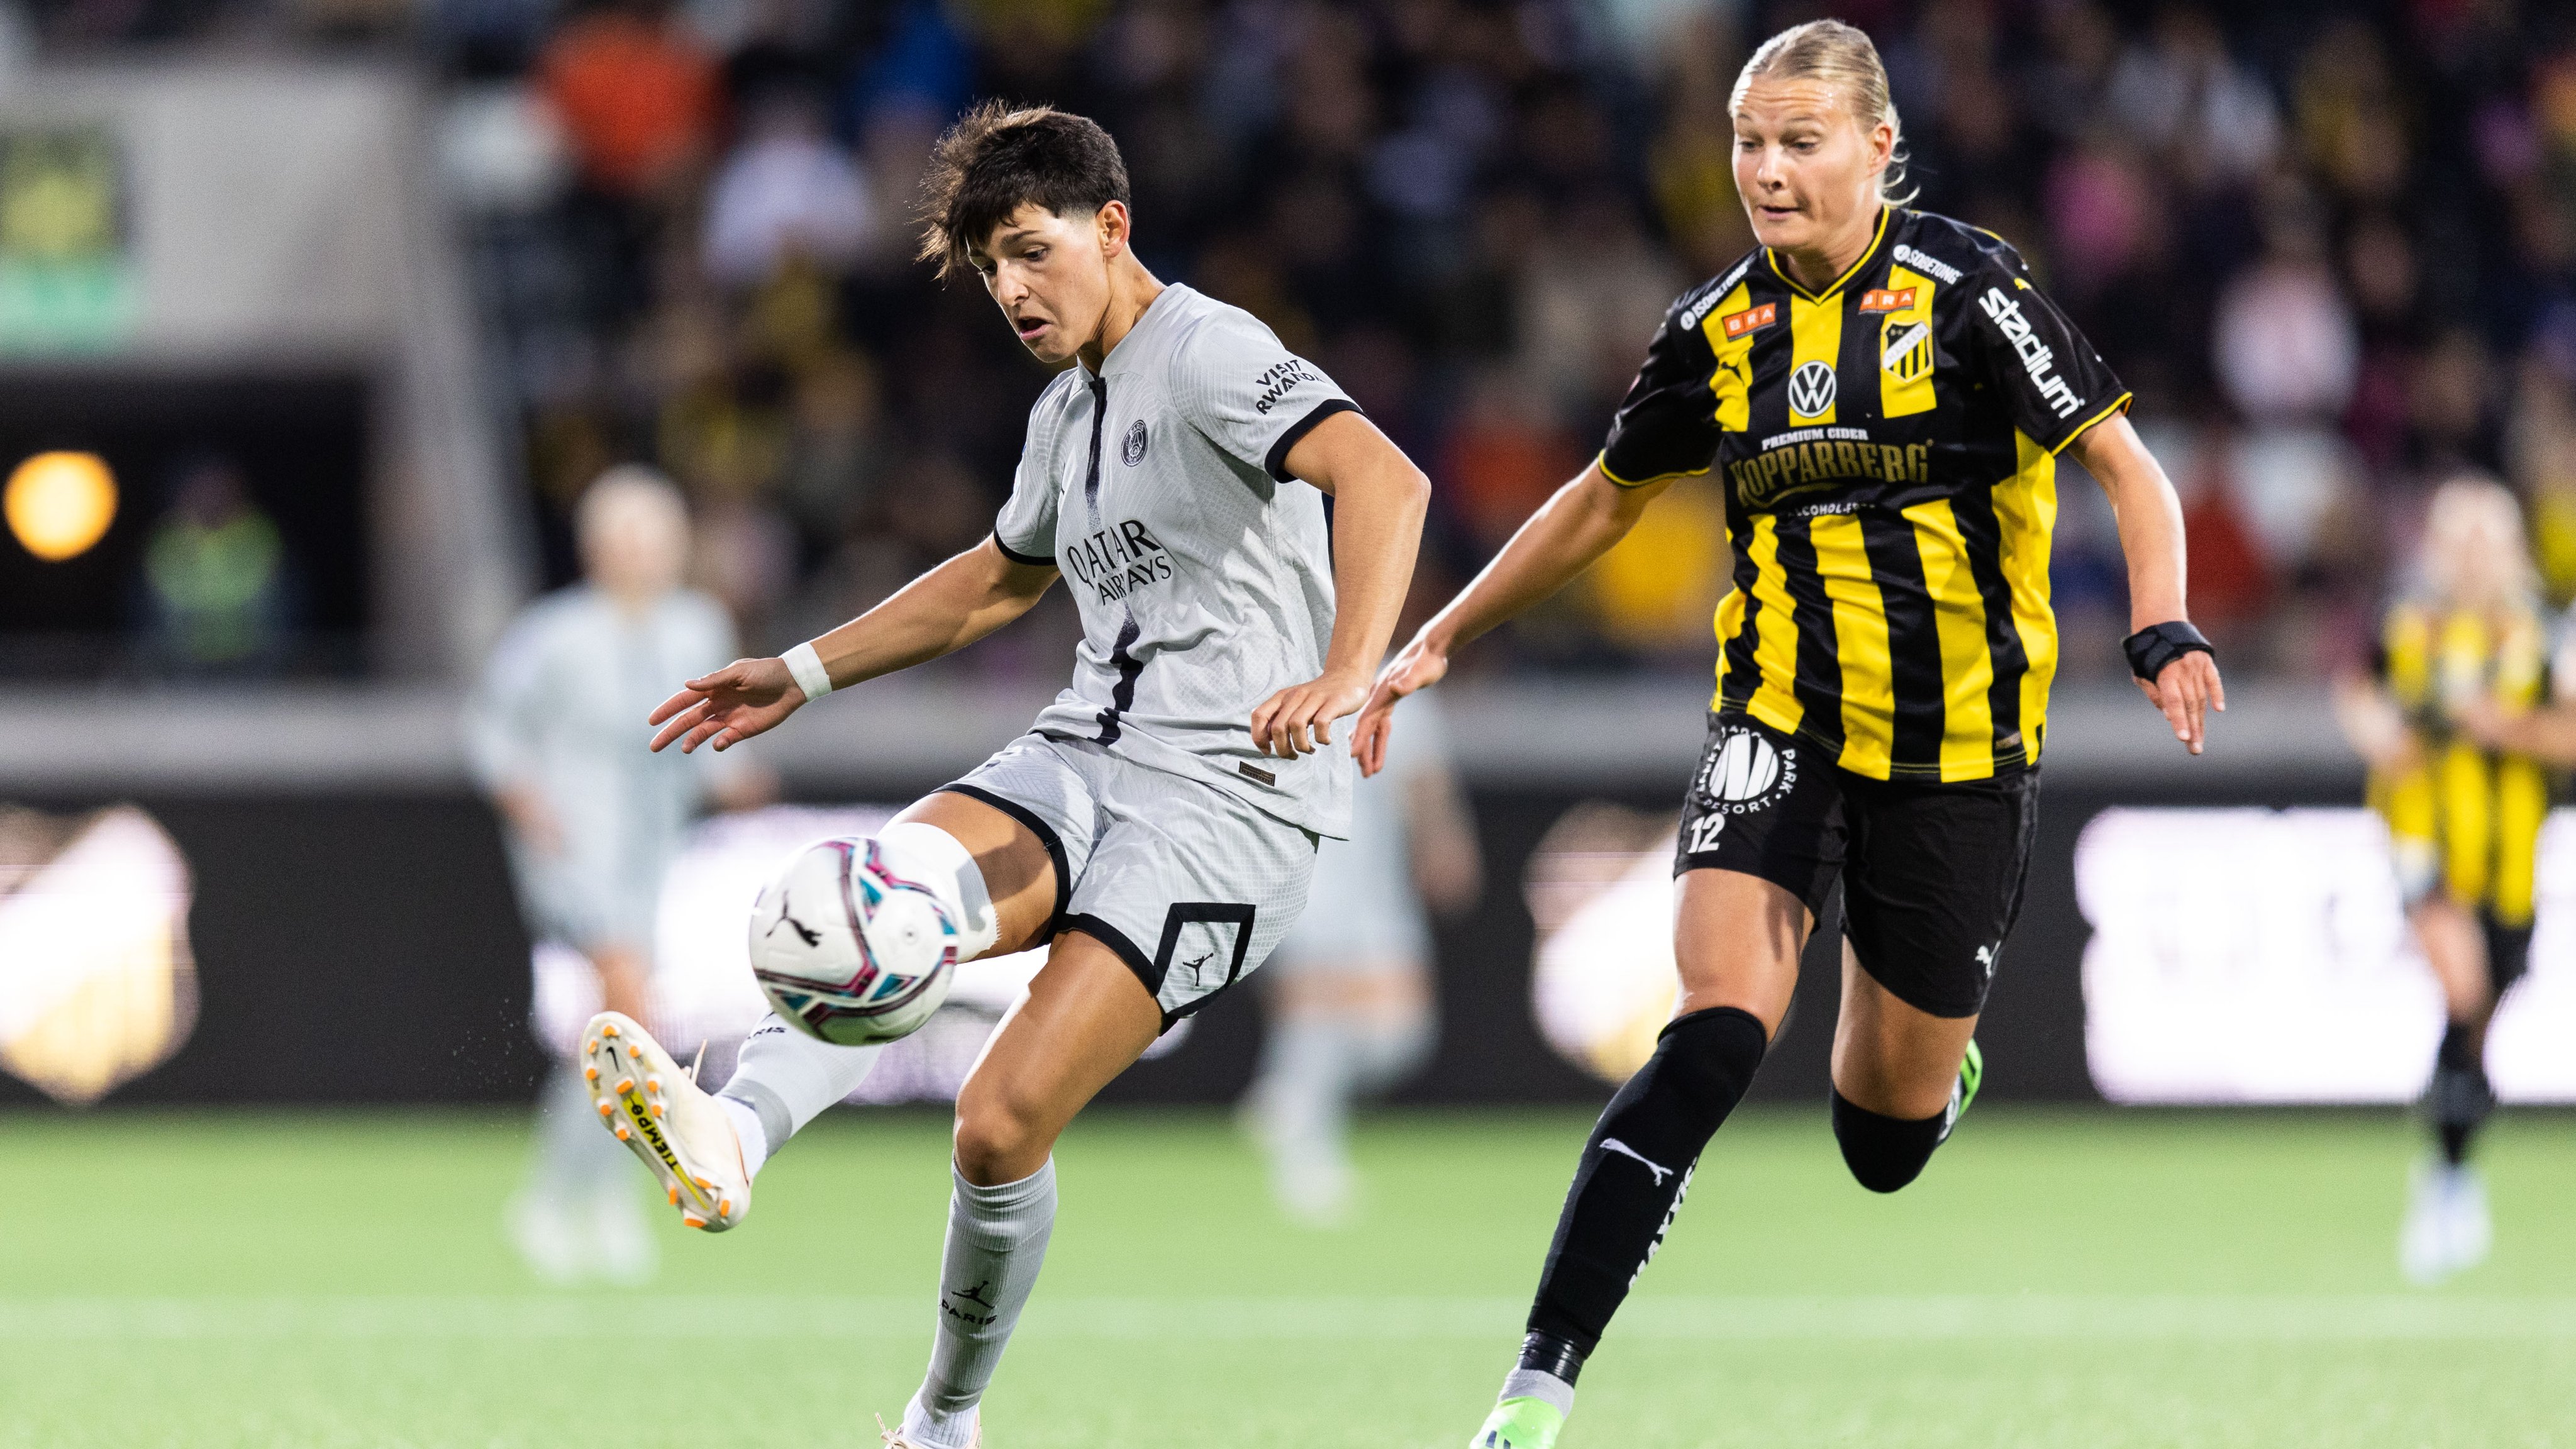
{"x": 1703, "y": 833}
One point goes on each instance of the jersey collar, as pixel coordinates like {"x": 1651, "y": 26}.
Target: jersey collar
{"x": 1868, "y": 254}
{"x": 1123, "y": 356}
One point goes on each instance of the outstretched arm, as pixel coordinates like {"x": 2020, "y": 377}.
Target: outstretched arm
{"x": 1379, "y": 499}
{"x": 1581, "y": 522}
{"x": 2151, "y": 537}
{"x": 944, "y": 610}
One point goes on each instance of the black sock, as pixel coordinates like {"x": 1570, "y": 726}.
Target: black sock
{"x": 1884, "y": 1153}
{"x": 1632, "y": 1175}
{"x": 2460, "y": 1098}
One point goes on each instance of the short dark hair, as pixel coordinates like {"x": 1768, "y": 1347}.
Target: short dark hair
{"x": 998, "y": 158}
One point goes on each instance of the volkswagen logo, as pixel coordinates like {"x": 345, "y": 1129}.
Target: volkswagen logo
{"x": 1811, "y": 390}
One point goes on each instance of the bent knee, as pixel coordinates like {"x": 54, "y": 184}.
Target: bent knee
{"x": 998, "y": 1141}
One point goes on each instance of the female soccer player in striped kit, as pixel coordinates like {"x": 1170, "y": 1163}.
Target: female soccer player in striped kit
{"x": 1883, "y": 394}
{"x": 2455, "y": 726}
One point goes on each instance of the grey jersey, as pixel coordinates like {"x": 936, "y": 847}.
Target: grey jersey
{"x": 1160, "y": 488}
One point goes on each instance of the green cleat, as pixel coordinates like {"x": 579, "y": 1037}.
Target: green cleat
{"x": 1528, "y": 1423}
{"x": 1972, "y": 1070}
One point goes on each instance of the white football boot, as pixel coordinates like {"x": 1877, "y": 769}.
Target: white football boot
{"x": 2471, "y": 1231}
{"x": 2423, "y": 1244}
{"x": 656, "y": 1107}
{"x": 2447, "y": 1228}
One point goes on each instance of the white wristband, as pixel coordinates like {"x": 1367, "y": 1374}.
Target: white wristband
{"x": 807, "y": 666}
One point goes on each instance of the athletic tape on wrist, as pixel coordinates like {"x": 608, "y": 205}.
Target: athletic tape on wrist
{"x": 807, "y": 666}
{"x": 2157, "y": 645}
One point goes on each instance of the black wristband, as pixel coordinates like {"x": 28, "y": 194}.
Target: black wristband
{"x": 2157, "y": 645}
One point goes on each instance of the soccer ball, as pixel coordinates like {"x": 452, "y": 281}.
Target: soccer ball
{"x": 852, "y": 945}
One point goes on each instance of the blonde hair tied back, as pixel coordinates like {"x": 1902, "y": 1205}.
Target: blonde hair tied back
{"x": 1843, "y": 57}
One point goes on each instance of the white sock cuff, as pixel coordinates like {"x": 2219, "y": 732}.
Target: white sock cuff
{"x": 938, "y": 851}
{"x": 1523, "y": 1383}
{"x": 788, "y": 1078}
{"x": 1004, "y": 1199}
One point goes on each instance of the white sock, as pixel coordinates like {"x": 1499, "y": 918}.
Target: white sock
{"x": 785, "y": 1079}
{"x": 997, "y": 1238}
{"x": 1523, "y": 1383}
{"x": 747, "y": 1129}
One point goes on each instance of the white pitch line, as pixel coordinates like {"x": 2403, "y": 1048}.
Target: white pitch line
{"x": 2178, "y": 1318}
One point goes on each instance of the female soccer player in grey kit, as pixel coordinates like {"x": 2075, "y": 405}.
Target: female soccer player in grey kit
{"x": 1156, "y": 829}
{"x": 592, "y": 822}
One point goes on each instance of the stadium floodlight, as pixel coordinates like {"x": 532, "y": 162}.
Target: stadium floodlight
{"x": 60, "y": 504}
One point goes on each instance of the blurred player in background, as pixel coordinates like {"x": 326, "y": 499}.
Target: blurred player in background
{"x": 1155, "y": 830}
{"x": 2465, "y": 652}
{"x": 1350, "y": 990}
{"x": 1883, "y": 394}
{"x": 591, "y": 819}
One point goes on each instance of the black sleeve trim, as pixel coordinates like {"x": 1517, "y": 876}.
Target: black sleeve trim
{"x": 1028, "y": 560}
{"x": 1046, "y": 836}
{"x": 2118, "y": 405}
{"x": 1276, "y": 465}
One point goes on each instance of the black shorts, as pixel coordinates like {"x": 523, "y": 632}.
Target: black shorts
{"x": 1932, "y": 873}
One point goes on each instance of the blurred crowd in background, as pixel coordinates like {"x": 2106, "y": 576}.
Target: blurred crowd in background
{"x": 2334, "y": 252}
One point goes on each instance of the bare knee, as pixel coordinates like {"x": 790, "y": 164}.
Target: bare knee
{"x": 1000, "y": 1140}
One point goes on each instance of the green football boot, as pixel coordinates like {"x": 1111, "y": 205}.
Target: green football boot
{"x": 1527, "y": 1423}
{"x": 1972, "y": 1071}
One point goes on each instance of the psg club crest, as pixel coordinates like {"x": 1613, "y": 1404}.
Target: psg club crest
{"x": 1132, "y": 452}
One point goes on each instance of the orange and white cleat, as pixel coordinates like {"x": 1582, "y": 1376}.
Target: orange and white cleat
{"x": 656, "y": 1107}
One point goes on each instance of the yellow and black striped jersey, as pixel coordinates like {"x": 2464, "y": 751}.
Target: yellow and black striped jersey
{"x": 1888, "y": 448}
{"x": 2462, "y": 817}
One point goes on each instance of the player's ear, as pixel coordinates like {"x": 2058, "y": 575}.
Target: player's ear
{"x": 1112, "y": 222}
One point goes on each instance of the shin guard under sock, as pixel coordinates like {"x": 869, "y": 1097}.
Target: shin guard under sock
{"x": 1632, "y": 1175}
{"x": 1884, "y": 1153}
{"x": 2461, "y": 1097}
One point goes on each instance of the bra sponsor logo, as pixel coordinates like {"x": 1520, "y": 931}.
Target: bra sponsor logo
{"x": 1751, "y": 319}
{"x": 1882, "y": 300}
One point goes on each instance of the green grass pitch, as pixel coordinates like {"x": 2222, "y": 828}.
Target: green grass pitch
{"x": 209, "y": 1280}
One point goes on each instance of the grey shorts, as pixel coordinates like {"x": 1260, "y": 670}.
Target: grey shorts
{"x": 1189, "y": 885}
